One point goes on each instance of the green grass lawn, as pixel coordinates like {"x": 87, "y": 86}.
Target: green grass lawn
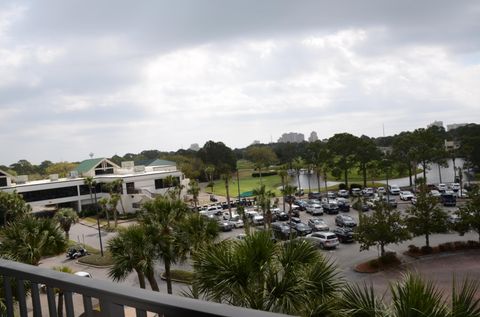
{"x": 273, "y": 183}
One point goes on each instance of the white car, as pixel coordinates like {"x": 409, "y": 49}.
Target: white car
{"x": 455, "y": 186}
{"x": 315, "y": 209}
{"x": 368, "y": 191}
{"x": 406, "y": 195}
{"x": 323, "y": 239}
{"x": 463, "y": 193}
{"x": 236, "y": 221}
{"x": 381, "y": 190}
{"x": 255, "y": 217}
{"x": 441, "y": 187}
{"x": 435, "y": 193}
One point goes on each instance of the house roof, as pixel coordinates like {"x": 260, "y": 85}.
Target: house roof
{"x": 87, "y": 165}
{"x": 154, "y": 162}
{"x": 3, "y": 173}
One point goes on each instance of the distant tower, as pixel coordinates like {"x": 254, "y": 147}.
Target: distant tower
{"x": 91, "y": 155}
{"x": 194, "y": 147}
{"x": 313, "y": 137}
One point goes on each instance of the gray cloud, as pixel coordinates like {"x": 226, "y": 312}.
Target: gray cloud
{"x": 122, "y": 76}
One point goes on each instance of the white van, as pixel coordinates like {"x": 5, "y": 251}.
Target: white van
{"x": 394, "y": 189}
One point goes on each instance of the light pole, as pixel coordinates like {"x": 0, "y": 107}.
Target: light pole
{"x": 98, "y": 221}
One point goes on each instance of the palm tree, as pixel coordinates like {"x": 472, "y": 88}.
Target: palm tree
{"x": 227, "y": 176}
{"x": 113, "y": 202}
{"x": 292, "y": 278}
{"x": 194, "y": 190}
{"x": 28, "y": 239}
{"x": 283, "y": 173}
{"x": 297, "y": 165}
{"x": 103, "y": 202}
{"x": 264, "y": 200}
{"x": 411, "y": 296}
{"x": 66, "y": 217}
{"x": 133, "y": 250}
{"x": 160, "y": 218}
{"x": 288, "y": 193}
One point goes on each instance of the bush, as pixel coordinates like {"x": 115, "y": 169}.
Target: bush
{"x": 460, "y": 245}
{"x": 389, "y": 258}
{"x": 264, "y": 174}
{"x": 473, "y": 244}
{"x": 426, "y": 250}
{"x": 97, "y": 259}
{"x": 413, "y": 248}
{"x": 374, "y": 264}
{"x": 87, "y": 213}
{"x": 447, "y": 246}
{"x": 342, "y": 186}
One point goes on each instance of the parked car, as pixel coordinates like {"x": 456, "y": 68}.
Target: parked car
{"x": 414, "y": 200}
{"x": 315, "y": 208}
{"x": 455, "y": 186}
{"x": 343, "y": 204}
{"x": 356, "y": 191}
{"x": 283, "y": 231}
{"x": 301, "y": 228}
{"x": 435, "y": 193}
{"x": 281, "y": 215}
{"x": 76, "y": 252}
{"x": 449, "y": 199}
{"x": 255, "y": 218}
{"x": 343, "y": 193}
{"x": 318, "y": 224}
{"x": 296, "y": 220}
{"x": 394, "y": 189}
{"x": 314, "y": 195}
{"x": 236, "y": 221}
{"x": 381, "y": 190}
{"x": 368, "y": 192}
{"x": 330, "y": 208}
{"x": 344, "y": 234}
{"x": 323, "y": 239}
{"x": 345, "y": 221}
{"x": 225, "y": 225}
{"x": 299, "y": 192}
{"x": 441, "y": 187}
{"x": 331, "y": 195}
{"x": 406, "y": 195}
{"x": 302, "y": 204}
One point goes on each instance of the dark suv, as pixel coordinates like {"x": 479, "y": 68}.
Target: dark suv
{"x": 344, "y": 234}
{"x": 345, "y": 221}
{"x": 282, "y": 231}
{"x": 330, "y": 208}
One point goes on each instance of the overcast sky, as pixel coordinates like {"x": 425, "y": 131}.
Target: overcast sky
{"x": 112, "y": 77}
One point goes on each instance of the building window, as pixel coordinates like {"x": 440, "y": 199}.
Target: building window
{"x": 162, "y": 183}
{"x": 49, "y": 194}
{"x": 104, "y": 168}
{"x": 159, "y": 183}
{"x": 3, "y": 181}
{"x": 130, "y": 188}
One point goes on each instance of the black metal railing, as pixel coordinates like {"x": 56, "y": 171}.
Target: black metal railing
{"x": 22, "y": 296}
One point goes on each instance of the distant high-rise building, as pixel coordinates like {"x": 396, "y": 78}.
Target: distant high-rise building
{"x": 313, "y": 137}
{"x": 255, "y": 142}
{"x": 455, "y": 125}
{"x": 291, "y": 137}
{"x": 436, "y": 124}
{"x": 194, "y": 147}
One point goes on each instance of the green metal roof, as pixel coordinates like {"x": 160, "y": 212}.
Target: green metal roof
{"x": 87, "y": 165}
{"x": 154, "y": 162}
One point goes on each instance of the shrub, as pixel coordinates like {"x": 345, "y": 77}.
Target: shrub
{"x": 266, "y": 173}
{"x": 413, "y": 248}
{"x": 87, "y": 213}
{"x": 389, "y": 258}
{"x": 426, "y": 250}
{"x": 342, "y": 186}
{"x": 460, "y": 245}
{"x": 447, "y": 246}
{"x": 374, "y": 264}
{"x": 473, "y": 244}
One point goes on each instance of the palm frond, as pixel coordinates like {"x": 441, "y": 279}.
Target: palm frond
{"x": 465, "y": 302}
